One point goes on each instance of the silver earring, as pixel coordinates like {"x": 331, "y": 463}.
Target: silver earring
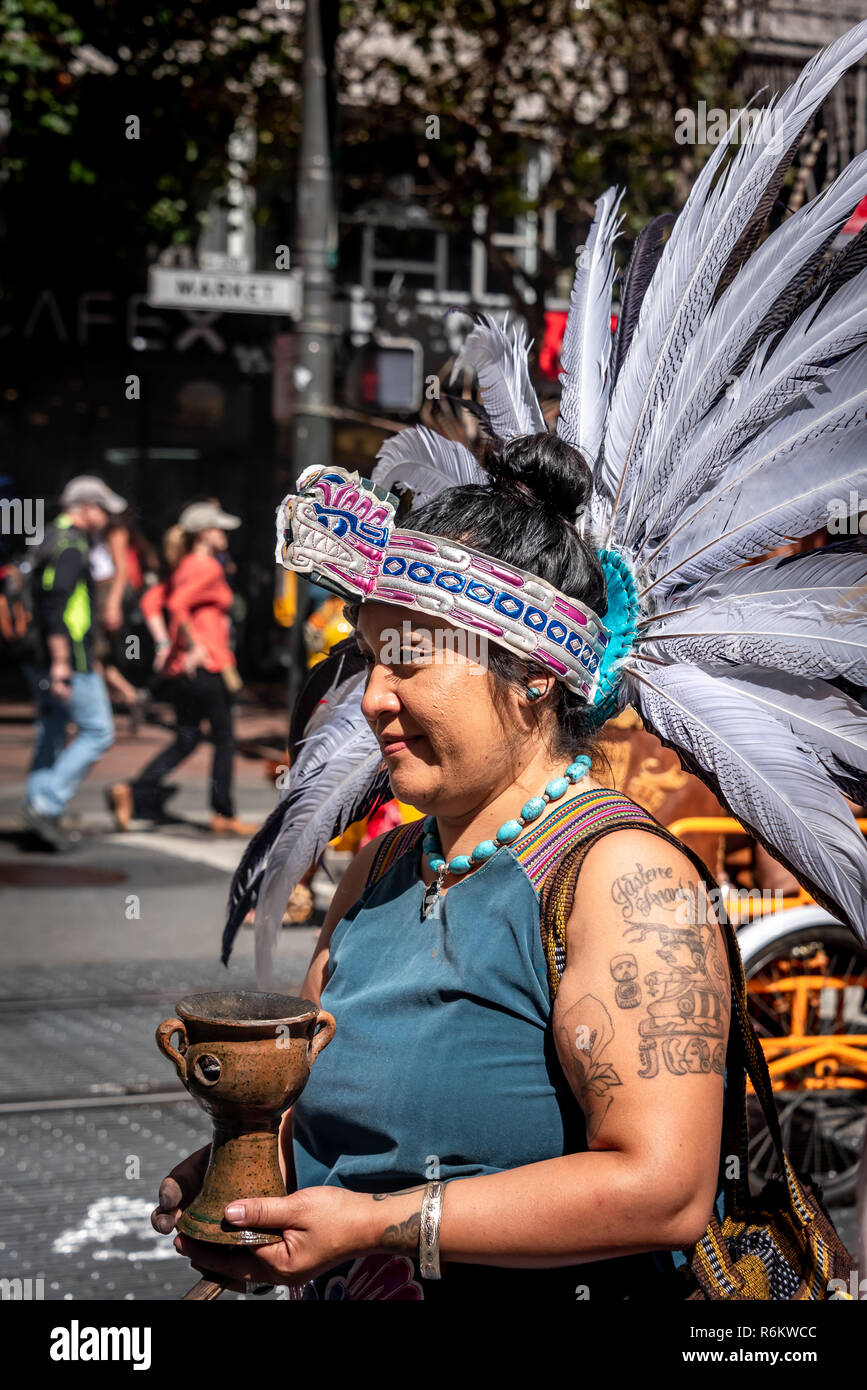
{"x": 533, "y": 692}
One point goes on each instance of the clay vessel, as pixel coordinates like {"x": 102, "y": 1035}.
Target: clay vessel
{"x": 245, "y": 1058}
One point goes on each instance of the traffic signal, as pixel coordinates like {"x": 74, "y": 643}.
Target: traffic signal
{"x": 386, "y": 375}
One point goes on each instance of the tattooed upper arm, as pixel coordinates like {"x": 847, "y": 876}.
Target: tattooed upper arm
{"x": 645, "y": 997}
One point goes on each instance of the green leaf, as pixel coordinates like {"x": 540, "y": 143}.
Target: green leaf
{"x": 78, "y": 173}
{"x": 52, "y": 120}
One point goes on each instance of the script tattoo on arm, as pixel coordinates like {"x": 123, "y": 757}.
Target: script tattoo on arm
{"x": 687, "y": 1014}
{"x": 586, "y": 1031}
{"x": 641, "y": 890}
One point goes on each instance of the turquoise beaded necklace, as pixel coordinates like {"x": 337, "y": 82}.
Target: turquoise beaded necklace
{"x": 507, "y": 833}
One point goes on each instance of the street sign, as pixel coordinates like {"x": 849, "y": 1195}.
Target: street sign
{"x": 177, "y": 288}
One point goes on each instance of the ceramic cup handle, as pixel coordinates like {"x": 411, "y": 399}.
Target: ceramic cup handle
{"x": 165, "y": 1032}
{"x": 323, "y": 1038}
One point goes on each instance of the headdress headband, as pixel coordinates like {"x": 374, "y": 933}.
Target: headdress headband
{"x": 340, "y": 528}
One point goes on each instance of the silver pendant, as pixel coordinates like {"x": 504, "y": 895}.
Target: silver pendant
{"x": 430, "y": 903}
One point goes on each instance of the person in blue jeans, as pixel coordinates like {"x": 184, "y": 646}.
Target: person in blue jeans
{"x": 67, "y": 687}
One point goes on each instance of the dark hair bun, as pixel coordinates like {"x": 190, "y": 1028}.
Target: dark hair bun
{"x": 544, "y": 469}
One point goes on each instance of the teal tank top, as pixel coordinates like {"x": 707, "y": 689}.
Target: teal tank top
{"x": 443, "y": 1063}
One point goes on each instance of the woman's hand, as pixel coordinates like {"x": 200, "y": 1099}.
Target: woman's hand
{"x": 178, "y": 1190}
{"x": 321, "y": 1227}
{"x": 194, "y": 658}
{"x": 61, "y": 679}
{"x": 161, "y": 656}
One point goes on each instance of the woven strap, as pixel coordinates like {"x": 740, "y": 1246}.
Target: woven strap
{"x": 403, "y": 839}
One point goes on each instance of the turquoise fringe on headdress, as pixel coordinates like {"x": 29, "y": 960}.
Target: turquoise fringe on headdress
{"x": 621, "y": 620}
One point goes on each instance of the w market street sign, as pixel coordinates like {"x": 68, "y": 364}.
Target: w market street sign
{"x": 176, "y": 288}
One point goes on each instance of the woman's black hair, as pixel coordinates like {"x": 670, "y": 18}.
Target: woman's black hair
{"x": 538, "y": 483}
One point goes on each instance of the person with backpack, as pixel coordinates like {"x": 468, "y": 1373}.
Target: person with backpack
{"x": 194, "y": 654}
{"x": 67, "y": 685}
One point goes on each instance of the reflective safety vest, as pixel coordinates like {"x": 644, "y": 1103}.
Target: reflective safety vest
{"x": 77, "y": 613}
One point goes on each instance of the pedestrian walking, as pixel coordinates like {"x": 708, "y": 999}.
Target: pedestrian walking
{"x": 194, "y": 654}
{"x": 108, "y": 564}
{"x": 66, "y": 682}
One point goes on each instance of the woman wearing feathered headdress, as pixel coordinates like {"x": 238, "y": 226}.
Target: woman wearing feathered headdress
{"x": 458, "y": 1116}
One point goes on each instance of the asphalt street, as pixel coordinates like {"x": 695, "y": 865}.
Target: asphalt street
{"x": 97, "y": 947}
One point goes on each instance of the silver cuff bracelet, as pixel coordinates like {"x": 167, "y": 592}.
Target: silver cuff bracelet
{"x": 429, "y": 1231}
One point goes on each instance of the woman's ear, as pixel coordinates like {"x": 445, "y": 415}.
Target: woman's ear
{"x": 538, "y": 689}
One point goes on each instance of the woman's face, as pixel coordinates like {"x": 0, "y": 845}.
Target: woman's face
{"x": 214, "y": 538}
{"x": 429, "y": 704}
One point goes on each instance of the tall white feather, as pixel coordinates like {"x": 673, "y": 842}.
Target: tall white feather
{"x": 586, "y": 349}
{"x": 772, "y": 380}
{"x": 779, "y": 487}
{"x": 834, "y": 726}
{"x": 806, "y": 616}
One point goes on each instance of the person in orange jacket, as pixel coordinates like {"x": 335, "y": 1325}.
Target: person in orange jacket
{"x": 194, "y": 655}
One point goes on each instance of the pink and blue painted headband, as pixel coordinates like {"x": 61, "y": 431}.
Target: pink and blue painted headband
{"x": 339, "y": 529}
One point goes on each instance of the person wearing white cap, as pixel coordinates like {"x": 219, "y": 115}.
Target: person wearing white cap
{"x": 66, "y": 685}
{"x": 194, "y": 654}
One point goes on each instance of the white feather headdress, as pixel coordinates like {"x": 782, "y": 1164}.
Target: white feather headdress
{"x": 728, "y": 417}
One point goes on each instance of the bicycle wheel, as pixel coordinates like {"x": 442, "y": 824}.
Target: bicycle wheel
{"x": 807, "y": 994}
